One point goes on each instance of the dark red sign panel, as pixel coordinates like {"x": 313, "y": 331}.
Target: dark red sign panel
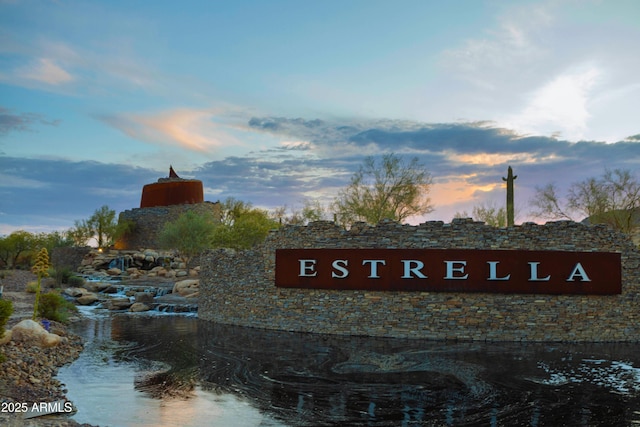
{"x": 450, "y": 270}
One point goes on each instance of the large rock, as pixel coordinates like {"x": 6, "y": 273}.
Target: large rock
{"x": 96, "y": 286}
{"x": 32, "y": 332}
{"x": 139, "y": 306}
{"x": 144, "y": 297}
{"x": 114, "y": 271}
{"x": 119, "y": 303}
{"x": 186, "y": 287}
{"x": 87, "y": 299}
{"x": 75, "y": 292}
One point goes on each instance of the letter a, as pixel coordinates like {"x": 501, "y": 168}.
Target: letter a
{"x": 578, "y": 270}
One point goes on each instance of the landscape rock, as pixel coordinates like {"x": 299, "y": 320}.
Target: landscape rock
{"x": 114, "y": 271}
{"x": 186, "y": 287}
{"x": 75, "y": 292}
{"x": 144, "y": 297}
{"x": 119, "y": 303}
{"x": 30, "y": 331}
{"x": 96, "y": 286}
{"x": 87, "y": 299}
{"x": 138, "y": 307}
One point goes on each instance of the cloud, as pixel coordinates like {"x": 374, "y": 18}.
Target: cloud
{"x": 55, "y": 193}
{"x": 561, "y": 103}
{"x": 467, "y": 162}
{"x": 12, "y": 122}
{"x": 45, "y": 70}
{"x": 517, "y": 42}
{"x": 190, "y": 129}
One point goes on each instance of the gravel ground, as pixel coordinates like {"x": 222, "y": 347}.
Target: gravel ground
{"x": 27, "y": 374}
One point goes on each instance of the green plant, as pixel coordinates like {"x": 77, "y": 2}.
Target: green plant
{"x": 75, "y": 281}
{"x": 32, "y": 287}
{"x": 54, "y": 306}
{"x": 6, "y": 309}
{"x": 61, "y": 275}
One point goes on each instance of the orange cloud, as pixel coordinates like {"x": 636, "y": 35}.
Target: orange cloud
{"x": 191, "y": 129}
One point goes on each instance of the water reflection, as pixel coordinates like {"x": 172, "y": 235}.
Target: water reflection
{"x": 207, "y": 371}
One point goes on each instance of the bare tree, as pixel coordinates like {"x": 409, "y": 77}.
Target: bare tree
{"x": 613, "y": 198}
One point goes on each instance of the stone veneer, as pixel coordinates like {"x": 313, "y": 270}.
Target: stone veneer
{"x": 148, "y": 222}
{"x": 238, "y": 287}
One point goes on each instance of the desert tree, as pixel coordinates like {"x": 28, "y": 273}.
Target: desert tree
{"x": 190, "y": 234}
{"x": 613, "y": 198}
{"x": 388, "y": 189}
{"x": 488, "y": 213}
{"x": 241, "y": 225}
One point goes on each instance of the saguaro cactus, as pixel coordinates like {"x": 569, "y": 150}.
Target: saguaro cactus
{"x": 41, "y": 268}
{"x": 510, "y": 211}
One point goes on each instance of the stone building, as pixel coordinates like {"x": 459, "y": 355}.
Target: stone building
{"x": 161, "y": 202}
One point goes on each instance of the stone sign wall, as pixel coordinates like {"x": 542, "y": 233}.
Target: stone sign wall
{"x": 239, "y": 287}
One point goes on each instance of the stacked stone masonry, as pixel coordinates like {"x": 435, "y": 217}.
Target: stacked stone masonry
{"x": 239, "y": 287}
{"x": 148, "y": 222}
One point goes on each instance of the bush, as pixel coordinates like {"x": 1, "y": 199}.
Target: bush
{"x": 32, "y": 287}
{"x": 62, "y": 275}
{"x": 76, "y": 281}
{"x": 6, "y": 309}
{"x": 54, "y": 306}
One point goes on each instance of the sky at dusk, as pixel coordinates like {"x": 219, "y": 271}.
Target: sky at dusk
{"x": 278, "y": 102}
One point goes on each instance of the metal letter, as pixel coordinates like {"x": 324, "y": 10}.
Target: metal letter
{"x": 451, "y": 270}
{"x": 493, "y": 275}
{"x": 533, "y": 277}
{"x": 578, "y": 270}
{"x": 408, "y": 269}
{"x": 374, "y": 267}
{"x": 340, "y": 265}
{"x": 307, "y": 265}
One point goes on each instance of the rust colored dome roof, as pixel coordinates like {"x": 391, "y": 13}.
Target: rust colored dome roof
{"x": 172, "y": 191}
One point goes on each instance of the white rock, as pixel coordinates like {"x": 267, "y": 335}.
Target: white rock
{"x": 186, "y": 287}
{"x": 31, "y": 331}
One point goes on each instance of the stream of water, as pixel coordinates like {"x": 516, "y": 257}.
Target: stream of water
{"x": 169, "y": 370}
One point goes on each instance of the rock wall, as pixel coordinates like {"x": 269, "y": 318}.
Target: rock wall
{"x": 238, "y": 287}
{"x": 148, "y": 222}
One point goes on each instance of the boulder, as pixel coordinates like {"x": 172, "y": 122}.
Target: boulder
{"x": 29, "y": 331}
{"x": 186, "y": 287}
{"x": 114, "y": 271}
{"x": 87, "y": 299}
{"x": 144, "y": 297}
{"x": 75, "y": 292}
{"x": 96, "y": 286}
{"x": 119, "y": 303}
{"x": 139, "y": 306}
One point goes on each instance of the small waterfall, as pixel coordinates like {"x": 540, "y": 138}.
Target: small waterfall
{"x": 160, "y": 292}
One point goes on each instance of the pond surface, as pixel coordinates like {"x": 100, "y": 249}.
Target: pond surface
{"x": 140, "y": 370}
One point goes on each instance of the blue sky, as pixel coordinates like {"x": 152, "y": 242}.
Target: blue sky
{"x": 276, "y": 102}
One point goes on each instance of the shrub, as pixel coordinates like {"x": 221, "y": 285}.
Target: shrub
{"x": 62, "y": 275}
{"x": 54, "y": 306}
{"x": 6, "y": 309}
{"x": 32, "y": 287}
{"x": 76, "y": 281}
